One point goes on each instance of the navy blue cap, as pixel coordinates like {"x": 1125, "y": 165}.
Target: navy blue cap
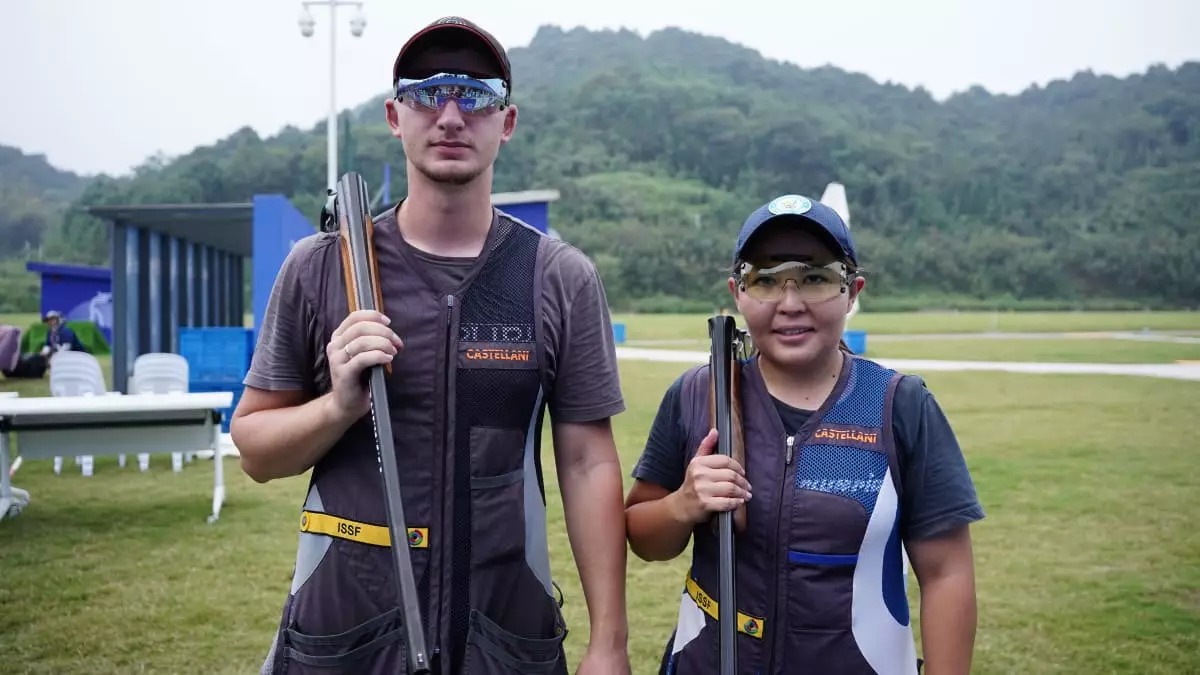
{"x": 809, "y": 209}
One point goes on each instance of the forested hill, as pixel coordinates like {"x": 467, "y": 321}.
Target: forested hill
{"x": 32, "y": 196}
{"x": 1084, "y": 192}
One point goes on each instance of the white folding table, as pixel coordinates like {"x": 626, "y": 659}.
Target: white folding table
{"x": 71, "y": 426}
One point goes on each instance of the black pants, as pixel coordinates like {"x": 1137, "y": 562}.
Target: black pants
{"x": 32, "y": 367}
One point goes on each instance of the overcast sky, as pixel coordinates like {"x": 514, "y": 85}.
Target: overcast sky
{"x": 100, "y": 85}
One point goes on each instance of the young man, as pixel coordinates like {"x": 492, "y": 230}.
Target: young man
{"x": 486, "y": 323}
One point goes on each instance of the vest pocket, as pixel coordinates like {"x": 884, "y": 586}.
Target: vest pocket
{"x": 491, "y": 650}
{"x": 819, "y": 607}
{"x": 498, "y": 521}
{"x": 374, "y": 646}
{"x": 497, "y": 499}
{"x": 825, "y": 651}
{"x": 820, "y": 591}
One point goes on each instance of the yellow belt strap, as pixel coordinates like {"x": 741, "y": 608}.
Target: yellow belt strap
{"x": 315, "y": 522}
{"x": 748, "y": 625}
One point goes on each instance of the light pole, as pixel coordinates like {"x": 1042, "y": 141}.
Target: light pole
{"x": 357, "y": 24}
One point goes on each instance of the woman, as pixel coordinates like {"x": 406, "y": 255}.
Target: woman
{"x": 845, "y": 461}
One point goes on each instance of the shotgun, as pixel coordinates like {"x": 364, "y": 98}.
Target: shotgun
{"x": 347, "y": 213}
{"x": 731, "y": 351}
{"x": 723, "y": 401}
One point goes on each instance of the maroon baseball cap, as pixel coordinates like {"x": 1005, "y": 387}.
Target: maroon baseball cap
{"x": 454, "y": 29}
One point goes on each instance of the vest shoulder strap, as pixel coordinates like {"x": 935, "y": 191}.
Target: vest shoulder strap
{"x": 529, "y": 244}
{"x": 693, "y": 404}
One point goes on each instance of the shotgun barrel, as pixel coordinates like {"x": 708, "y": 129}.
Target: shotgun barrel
{"x": 721, "y": 337}
{"x": 347, "y": 213}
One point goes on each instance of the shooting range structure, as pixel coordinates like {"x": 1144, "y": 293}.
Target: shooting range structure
{"x": 178, "y": 267}
{"x": 529, "y": 206}
{"x": 183, "y": 266}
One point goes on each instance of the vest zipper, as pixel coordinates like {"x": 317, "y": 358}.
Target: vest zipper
{"x": 446, "y": 450}
{"x": 774, "y": 618}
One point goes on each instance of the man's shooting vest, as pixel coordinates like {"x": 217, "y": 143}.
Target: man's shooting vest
{"x": 820, "y": 584}
{"x": 467, "y": 394}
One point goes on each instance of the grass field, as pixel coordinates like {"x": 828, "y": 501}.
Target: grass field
{"x": 1086, "y": 562}
{"x": 1068, "y": 350}
{"x": 1076, "y": 350}
{"x": 693, "y": 326}
{"x": 689, "y": 331}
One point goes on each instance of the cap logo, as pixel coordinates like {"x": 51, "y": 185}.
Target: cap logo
{"x": 793, "y": 204}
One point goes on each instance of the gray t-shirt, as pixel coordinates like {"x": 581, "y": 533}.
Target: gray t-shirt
{"x": 938, "y": 491}
{"x": 579, "y": 347}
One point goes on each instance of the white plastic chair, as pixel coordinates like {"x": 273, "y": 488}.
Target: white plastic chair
{"x": 160, "y": 373}
{"x": 76, "y": 374}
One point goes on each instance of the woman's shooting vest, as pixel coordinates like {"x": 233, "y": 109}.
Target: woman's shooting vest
{"x": 819, "y": 578}
{"x": 467, "y": 395}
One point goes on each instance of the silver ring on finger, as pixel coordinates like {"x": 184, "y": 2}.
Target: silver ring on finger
{"x": 346, "y": 351}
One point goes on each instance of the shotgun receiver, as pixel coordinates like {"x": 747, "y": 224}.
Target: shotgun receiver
{"x": 725, "y": 414}
{"x": 347, "y": 213}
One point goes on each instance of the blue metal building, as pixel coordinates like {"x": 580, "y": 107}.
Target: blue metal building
{"x": 530, "y": 206}
{"x": 173, "y": 265}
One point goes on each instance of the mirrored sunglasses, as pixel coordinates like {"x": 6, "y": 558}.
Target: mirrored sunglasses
{"x": 472, "y": 95}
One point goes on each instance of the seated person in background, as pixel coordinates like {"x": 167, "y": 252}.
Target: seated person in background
{"x": 59, "y": 336}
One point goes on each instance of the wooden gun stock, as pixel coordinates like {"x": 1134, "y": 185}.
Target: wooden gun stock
{"x": 367, "y": 224}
